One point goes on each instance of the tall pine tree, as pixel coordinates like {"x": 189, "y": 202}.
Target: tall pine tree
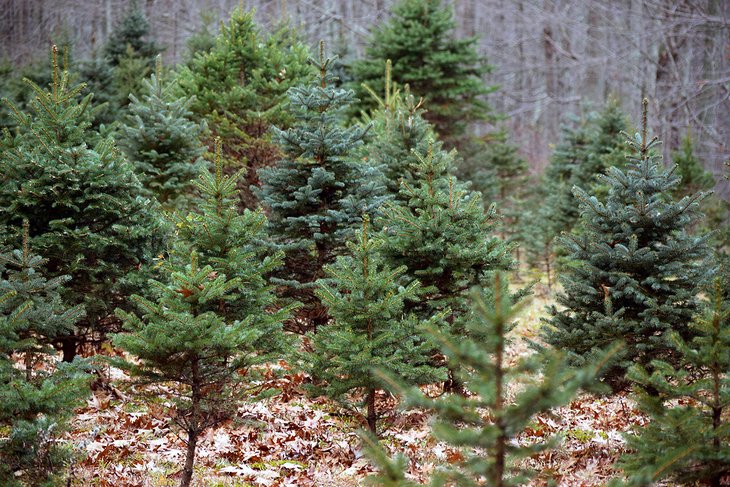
{"x": 419, "y": 40}
{"x": 317, "y": 194}
{"x": 370, "y": 329}
{"x": 240, "y": 87}
{"x": 162, "y": 142}
{"x": 636, "y": 271}
{"x": 86, "y": 208}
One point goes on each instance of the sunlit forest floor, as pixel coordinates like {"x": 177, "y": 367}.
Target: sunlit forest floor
{"x": 291, "y": 440}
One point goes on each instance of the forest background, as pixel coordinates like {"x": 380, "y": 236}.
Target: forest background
{"x": 550, "y": 58}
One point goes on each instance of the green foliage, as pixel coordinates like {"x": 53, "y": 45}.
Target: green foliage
{"x": 132, "y": 32}
{"x": 500, "y": 174}
{"x": 317, "y": 194}
{"x": 491, "y": 456}
{"x": 213, "y": 321}
{"x": 85, "y": 205}
{"x": 163, "y": 143}
{"x": 399, "y": 133}
{"x": 370, "y": 329}
{"x": 38, "y": 397}
{"x": 419, "y": 39}
{"x": 688, "y": 437}
{"x": 441, "y": 233}
{"x": 119, "y": 68}
{"x": 232, "y": 244}
{"x": 240, "y": 87}
{"x": 586, "y": 150}
{"x": 695, "y": 178}
{"x": 635, "y": 272}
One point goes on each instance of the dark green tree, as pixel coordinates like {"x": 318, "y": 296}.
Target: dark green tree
{"x": 370, "y": 329}
{"x": 419, "y": 40}
{"x": 588, "y": 147}
{"x": 240, "y": 87}
{"x": 501, "y": 174}
{"x": 39, "y": 395}
{"x": 695, "y": 178}
{"x": 85, "y": 205}
{"x": 163, "y": 143}
{"x": 132, "y": 32}
{"x": 636, "y": 271}
{"x": 688, "y": 437}
{"x": 317, "y": 194}
{"x": 491, "y": 456}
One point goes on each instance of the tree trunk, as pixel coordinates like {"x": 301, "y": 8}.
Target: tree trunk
{"x": 68, "y": 348}
{"x": 194, "y": 424}
{"x": 187, "y": 475}
{"x": 372, "y": 417}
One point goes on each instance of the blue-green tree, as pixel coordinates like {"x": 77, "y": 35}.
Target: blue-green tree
{"x": 636, "y": 271}
{"x": 317, "y": 194}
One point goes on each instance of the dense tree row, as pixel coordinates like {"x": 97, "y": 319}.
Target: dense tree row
{"x": 360, "y": 233}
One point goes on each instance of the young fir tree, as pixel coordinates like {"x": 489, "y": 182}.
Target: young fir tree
{"x": 501, "y": 176}
{"x": 317, "y": 194}
{"x": 441, "y": 233}
{"x": 688, "y": 436}
{"x": 85, "y": 205}
{"x": 491, "y": 454}
{"x": 37, "y": 395}
{"x": 370, "y": 330}
{"x": 636, "y": 271}
{"x": 695, "y": 178}
{"x": 399, "y": 133}
{"x": 163, "y": 143}
{"x": 419, "y": 39}
{"x": 240, "y": 87}
{"x": 233, "y": 243}
{"x": 214, "y": 318}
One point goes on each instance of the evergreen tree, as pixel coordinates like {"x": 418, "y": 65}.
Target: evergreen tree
{"x": 162, "y": 142}
{"x": 443, "y": 236}
{"x": 370, "y": 330}
{"x": 240, "y": 87}
{"x": 695, "y": 178}
{"x": 214, "y": 319}
{"x": 586, "y": 150}
{"x": 500, "y": 174}
{"x": 132, "y": 32}
{"x": 419, "y": 39}
{"x": 84, "y": 203}
{"x": 688, "y": 437}
{"x": 118, "y": 68}
{"x": 233, "y": 243}
{"x": 37, "y": 398}
{"x": 317, "y": 193}
{"x": 491, "y": 454}
{"x": 636, "y": 271}
{"x": 399, "y": 133}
